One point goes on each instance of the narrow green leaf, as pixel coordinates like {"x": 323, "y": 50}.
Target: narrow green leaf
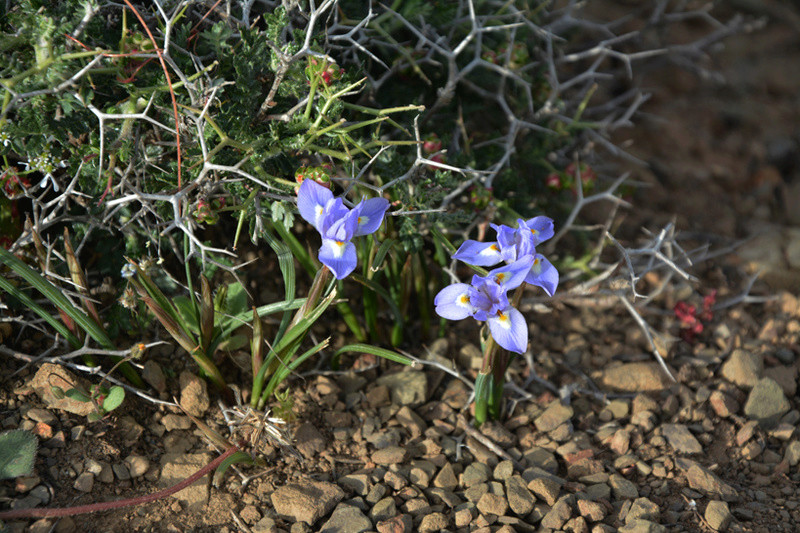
{"x": 374, "y": 350}
{"x": 237, "y": 457}
{"x": 283, "y": 372}
{"x": 380, "y": 255}
{"x": 379, "y": 289}
{"x": 481, "y": 397}
{"x": 39, "y": 310}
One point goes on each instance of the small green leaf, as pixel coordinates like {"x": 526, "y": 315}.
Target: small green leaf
{"x": 236, "y": 302}
{"x": 114, "y": 398}
{"x": 77, "y": 395}
{"x": 58, "y": 392}
{"x": 374, "y": 350}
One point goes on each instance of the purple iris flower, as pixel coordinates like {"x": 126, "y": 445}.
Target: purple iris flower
{"x": 512, "y": 245}
{"x": 337, "y": 224}
{"x": 486, "y": 299}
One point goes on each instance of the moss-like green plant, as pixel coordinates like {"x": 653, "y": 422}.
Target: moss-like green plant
{"x": 17, "y": 453}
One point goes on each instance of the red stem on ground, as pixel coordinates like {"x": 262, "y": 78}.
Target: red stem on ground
{"x": 55, "y": 512}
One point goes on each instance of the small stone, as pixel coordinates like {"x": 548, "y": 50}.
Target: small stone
{"x": 49, "y": 374}
{"x": 743, "y": 368}
{"x": 177, "y": 468}
{"x": 433, "y": 522}
{"x": 644, "y": 509}
{"x": 398, "y": 524}
{"x": 463, "y": 517}
{"x": 137, "y": 465}
{"x": 592, "y": 511}
{"x": 558, "y": 515}
{"x": 389, "y": 456}
{"x": 718, "y": 515}
{"x": 541, "y": 458}
{"x": 42, "y": 415}
{"x": 356, "y": 483}
{"x": 635, "y": 377}
{"x": 408, "y": 387}
{"x": 792, "y": 453}
{"x": 723, "y": 404}
{"x": 474, "y": 474}
{"x": 383, "y": 509}
{"x": 746, "y": 432}
{"x": 106, "y": 474}
{"x": 493, "y": 504}
{"x": 576, "y": 525}
{"x": 642, "y": 526}
{"x": 785, "y": 377}
{"x": 446, "y": 478}
{"x": 122, "y": 474}
{"x": 623, "y": 488}
{"x": 306, "y": 501}
{"x": 378, "y": 396}
{"x": 681, "y": 439}
{"x": 347, "y": 519}
{"x": 520, "y": 499}
{"x": 171, "y": 422}
{"x": 24, "y": 484}
{"x": 154, "y": 376}
{"x": 194, "y": 394}
{"x": 250, "y": 514}
{"x": 84, "y": 482}
{"x": 308, "y": 440}
{"x": 701, "y": 479}
{"x": 545, "y": 488}
{"x": 552, "y": 417}
{"x": 503, "y": 470}
{"x": 766, "y": 403}
{"x": 40, "y": 526}
{"x": 411, "y": 421}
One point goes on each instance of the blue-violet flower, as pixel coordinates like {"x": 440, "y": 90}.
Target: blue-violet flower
{"x": 513, "y": 245}
{"x": 486, "y": 299}
{"x": 337, "y": 224}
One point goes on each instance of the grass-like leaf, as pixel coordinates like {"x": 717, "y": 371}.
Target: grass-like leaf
{"x": 373, "y": 350}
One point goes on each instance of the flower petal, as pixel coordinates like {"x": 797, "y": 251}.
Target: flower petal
{"x": 454, "y": 302}
{"x": 479, "y": 253}
{"x": 511, "y": 276}
{"x": 311, "y": 201}
{"x": 339, "y": 256}
{"x": 541, "y": 228}
{"x": 509, "y": 330}
{"x": 543, "y": 274}
{"x": 371, "y": 215}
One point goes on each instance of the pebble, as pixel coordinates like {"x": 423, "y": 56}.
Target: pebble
{"x": 493, "y": 504}
{"x": 743, "y": 368}
{"x": 503, "y": 470}
{"x": 121, "y": 472}
{"x": 383, "y": 509}
{"x": 681, "y": 439}
{"x": 177, "y": 468}
{"x": 154, "y": 376}
{"x": 407, "y": 388}
{"x": 555, "y": 415}
{"x": 723, "y": 404}
{"x": 433, "y": 522}
{"x": 520, "y": 499}
{"x": 558, "y": 515}
{"x": 643, "y": 508}
{"x": 347, "y": 519}
{"x": 84, "y": 482}
{"x": 545, "y": 488}
{"x": 42, "y": 415}
{"x": 718, "y": 515}
{"x": 623, "y": 488}
{"x": 642, "y": 526}
{"x": 792, "y": 453}
{"x": 137, "y": 465}
{"x": 591, "y": 510}
{"x": 171, "y": 422}
{"x": 398, "y": 524}
{"x": 389, "y": 456}
{"x": 307, "y": 500}
{"x": 194, "y": 394}
{"x": 766, "y": 403}
{"x": 701, "y": 479}
{"x": 474, "y": 474}
{"x": 446, "y": 478}
{"x": 635, "y": 377}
